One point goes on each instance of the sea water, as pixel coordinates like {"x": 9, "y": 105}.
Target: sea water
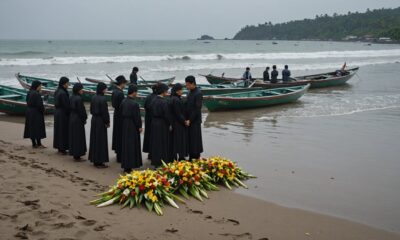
{"x": 336, "y": 151}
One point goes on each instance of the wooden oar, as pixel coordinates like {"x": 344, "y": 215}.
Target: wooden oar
{"x": 78, "y": 79}
{"x": 111, "y": 80}
{"x": 143, "y": 79}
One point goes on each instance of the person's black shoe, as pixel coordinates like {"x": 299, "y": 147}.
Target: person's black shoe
{"x": 79, "y": 159}
{"x": 101, "y": 166}
{"x": 62, "y": 152}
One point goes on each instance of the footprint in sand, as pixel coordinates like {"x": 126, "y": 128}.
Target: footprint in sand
{"x": 63, "y": 225}
{"x": 246, "y": 235}
{"x": 89, "y": 222}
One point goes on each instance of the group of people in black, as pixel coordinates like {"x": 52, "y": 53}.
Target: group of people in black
{"x": 267, "y": 76}
{"x": 172, "y": 127}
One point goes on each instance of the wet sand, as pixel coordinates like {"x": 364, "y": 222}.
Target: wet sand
{"x": 45, "y": 196}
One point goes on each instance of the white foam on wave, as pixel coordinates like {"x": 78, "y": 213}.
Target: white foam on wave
{"x": 199, "y": 57}
{"x": 338, "y": 107}
{"x": 239, "y": 65}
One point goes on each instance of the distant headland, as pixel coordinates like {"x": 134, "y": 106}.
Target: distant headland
{"x": 379, "y": 25}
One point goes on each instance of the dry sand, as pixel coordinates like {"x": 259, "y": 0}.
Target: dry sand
{"x": 45, "y": 196}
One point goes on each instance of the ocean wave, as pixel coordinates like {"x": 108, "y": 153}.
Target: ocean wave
{"x": 199, "y": 57}
{"x": 338, "y": 107}
{"x": 214, "y": 67}
{"x": 21, "y": 53}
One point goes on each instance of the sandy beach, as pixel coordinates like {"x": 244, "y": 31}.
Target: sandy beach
{"x": 45, "y": 196}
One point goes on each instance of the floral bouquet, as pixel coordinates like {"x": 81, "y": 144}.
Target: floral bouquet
{"x": 223, "y": 170}
{"x": 188, "y": 178}
{"x": 139, "y": 187}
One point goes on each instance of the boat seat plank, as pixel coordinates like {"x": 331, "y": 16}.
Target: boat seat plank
{"x": 9, "y": 96}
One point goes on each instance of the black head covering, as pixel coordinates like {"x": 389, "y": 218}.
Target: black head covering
{"x": 63, "y": 80}
{"x": 135, "y": 69}
{"x": 132, "y": 88}
{"x": 190, "y": 79}
{"x": 274, "y": 67}
{"x": 247, "y": 68}
{"x": 120, "y": 80}
{"x": 77, "y": 87}
{"x": 154, "y": 88}
{"x": 267, "y": 68}
{"x": 100, "y": 88}
{"x": 162, "y": 88}
{"x": 35, "y": 84}
{"x": 286, "y": 66}
{"x": 176, "y": 88}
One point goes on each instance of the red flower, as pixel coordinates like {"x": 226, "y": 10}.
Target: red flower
{"x": 133, "y": 193}
{"x": 196, "y": 178}
{"x": 141, "y": 188}
{"x": 181, "y": 182}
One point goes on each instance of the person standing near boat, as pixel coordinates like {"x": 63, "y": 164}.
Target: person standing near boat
{"x": 98, "y": 150}
{"x": 286, "y": 74}
{"x": 131, "y": 154}
{"x": 116, "y": 99}
{"x": 61, "y": 116}
{"x": 133, "y": 77}
{"x": 179, "y": 129}
{"x": 148, "y": 102}
{"x": 77, "y": 121}
{"x": 266, "y": 75}
{"x": 194, "y": 103}
{"x": 34, "y": 117}
{"x": 274, "y": 75}
{"x": 160, "y": 127}
{"x": 247, "y": 77}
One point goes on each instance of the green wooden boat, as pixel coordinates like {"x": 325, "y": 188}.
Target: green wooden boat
{"x": 254, "y": 99}
{"x": 210, "y": 90}
{"x": 89, "y": 89}
{"x": 328, "y": 79}
{"x": 13, "y": 101}
{"x": 316, "y": 81}
{"x": 141, "y": 82}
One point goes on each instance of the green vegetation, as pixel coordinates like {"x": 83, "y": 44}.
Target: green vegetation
{"x": 368, "y": 26}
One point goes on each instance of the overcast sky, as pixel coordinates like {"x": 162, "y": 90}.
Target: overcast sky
{"x": 157, "y": 19}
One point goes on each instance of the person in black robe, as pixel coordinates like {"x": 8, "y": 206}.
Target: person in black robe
{"x": 266, "y": 75}
{"x": 131, "y": 154}
{"x": 160, "y": 127}
{"x": 77, "y": 121}
{"x": 34, "y": 121}
{"x": 274, "y": 75}
{"x": 194, "y": 103}
{"x": 98, "y": 149}
{"x": 133, "y": 77}
{"x": 61, "y": 116}
{"x": 179, "y": 129}
{"x": 148, "y": 102}
{"x": 116, "y": 98}
{"x": 286, "y": 74}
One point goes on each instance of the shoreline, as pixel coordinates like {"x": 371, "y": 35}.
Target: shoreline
{"x": 64, "y": 188}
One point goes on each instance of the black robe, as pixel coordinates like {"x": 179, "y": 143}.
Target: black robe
{"x": 148, "y": 102}
{"x": 194, "y": 103}
{"x": 266, "y": 76}
{"x": 179, "y": 134}
{"x": 77, "y": 121}
{"x": 34, "y": 121}
{"x": 116, "y": 98}
{"x": 98, "y": 150}
{"x": 131, "y": 154}
{"x": 133, "y": 78}
{"x": 61, "y": 119}
{"x": 160, "y": 133}
{"x": 274, "y": 76}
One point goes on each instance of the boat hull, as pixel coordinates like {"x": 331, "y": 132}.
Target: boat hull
{"x": 17, "y": 105}
{"x": 89, "y": 90}
{"x": 224, "y": 103}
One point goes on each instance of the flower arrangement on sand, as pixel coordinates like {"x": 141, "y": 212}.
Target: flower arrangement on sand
{"x": 155, "y": 188}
